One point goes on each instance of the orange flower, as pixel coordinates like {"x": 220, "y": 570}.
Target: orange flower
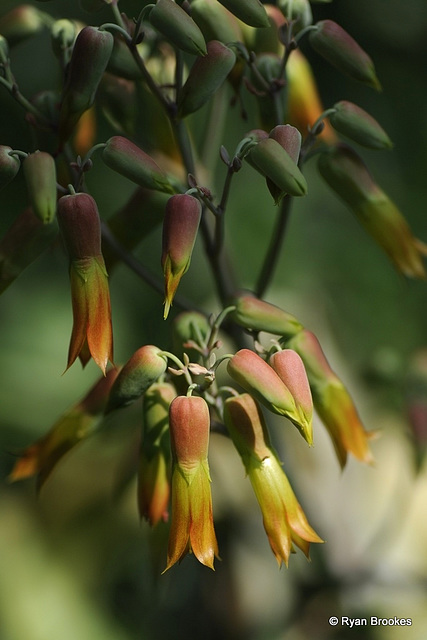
{"x": 92, "y": 334}
{"x": 192, "y": 520}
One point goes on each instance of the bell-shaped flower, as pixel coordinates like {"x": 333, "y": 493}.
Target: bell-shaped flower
{"x": 260, "y": 380}
{"x": 192, "y": 528}
{"x": 153, "y": 471}
{"x": 75, "y": 425}
{"x": 92, "y": 334}
{"x": 284, "y": 520}
{"x": 346, "y": 173}
{"x": 180, "y": 227}
{"x": 332, "y": 401}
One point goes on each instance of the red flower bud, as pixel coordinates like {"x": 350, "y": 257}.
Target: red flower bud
{"x": 180, "y": 226}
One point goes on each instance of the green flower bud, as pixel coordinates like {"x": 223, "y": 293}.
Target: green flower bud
{"x": 130, "y": 161}
{"x": 215, "y": 22}
{"x": 251, "y": 12}
{"x": 21, "y": 23}
{"x": 40, "y": 177}
{"x": 275, "y": 163}
{"x": 23, "y": 242}
{"x": 89, "y": 60}
{"x": 143, "y": 369}
{"x": 341, "y": 51}
{"x": 180, "y": 227}
{"x": 356, "y": 124}
{"x": 9, "y": 165}
{"x": 177, "y": 26}
{"x": 346, "y": 173}
{"x": 258, "y": 315}
{"x": 298, "y": 10}
{"x": 63, "y": 34}
{"x": 206, "y": 76}
{"x": 189, "y": 326}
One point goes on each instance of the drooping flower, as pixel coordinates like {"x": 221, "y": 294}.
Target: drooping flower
{"x": 192, "y": 527}
{"x": 92, "y": 334}
{"x": 284, "y": 520}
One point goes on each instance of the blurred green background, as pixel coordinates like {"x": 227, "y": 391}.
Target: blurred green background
{"x": 75, "y": 562}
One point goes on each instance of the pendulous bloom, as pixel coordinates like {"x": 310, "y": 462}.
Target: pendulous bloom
{"x": 92, "y": 334}
{"x": 284, "y": 520}
{"x": 192, "y": 527}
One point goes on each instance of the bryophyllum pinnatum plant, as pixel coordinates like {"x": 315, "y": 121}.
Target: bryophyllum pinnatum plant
{"x": 165, "y": 70}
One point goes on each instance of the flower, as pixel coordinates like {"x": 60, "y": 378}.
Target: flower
{"x": 92, "y": 334}
{"x": 284, "y": 520}
{"x": 192, "y": 520}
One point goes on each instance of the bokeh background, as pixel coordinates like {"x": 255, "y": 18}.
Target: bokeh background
{"x": 75, "y": 562}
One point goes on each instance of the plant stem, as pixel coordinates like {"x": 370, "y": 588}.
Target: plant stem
{"x": 276, "y": 243}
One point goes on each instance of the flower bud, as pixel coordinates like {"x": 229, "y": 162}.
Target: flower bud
{"x": 4, "y": 50}
{"x": 40, "y": 177}
{"x": 290, "y": 368}
{"x": 332, "y": 401}
{"x": 215, "y": 22}
{"x": 21, "y": 23}
{"x": 298, "y": 11}
{"x": 9, "y": 165}
{"x": 74, "y": 426}
{"x": 23, "y": 242}
{"x": 275, "y": 163}
{"x": 262, "y": 382}
{"x": 334, "y": 44}
{"x": 143, "y": 369}
{"x": 89, "y": 59}
{"x": 205, "y": 78}
{"x": 250, "y": 12}
{"x": 346, "y": 173}
{"x": 180, "y": 227}
{"x": 257, "y": 315}
{"x": 153, "y": 472}
{"x": 177, "y": 26}
{"x": 356, "y": 124}
{"x": 266, "y": 40}
{"x": 290, "y": 139}
{"x": 187, "y": 327}
{"x": 284, "y": 520}
{"x": 121, "y": 155}
{"x": 63, "y": 34}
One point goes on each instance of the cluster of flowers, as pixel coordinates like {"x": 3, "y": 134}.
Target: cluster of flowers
{"x": 287, "y": 379}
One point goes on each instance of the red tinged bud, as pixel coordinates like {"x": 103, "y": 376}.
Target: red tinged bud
{"x": 121, "y": 155}
{"x": 205, "y": 78}
{"x": 334, "y": 44}
{"x": 40, "y": 178}
{"x": 91, "y": 52}
{"x": 258, "y": 315}
{"x": 358, "y": 125}
{"x": 144, "y": 368}
{"x": 192, "y": 520}
{"x": 260, "y": 380}
{"x": 251, "y": 12}
{"x": 180, "y": 227}
{"x": 177, "y": 26}
{"x": 92, "y": 334}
